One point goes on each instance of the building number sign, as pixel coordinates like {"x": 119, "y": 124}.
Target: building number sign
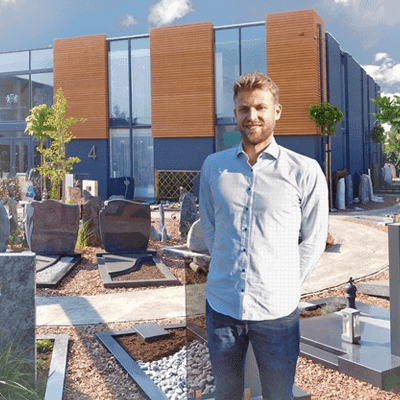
{"x": 92, "y": 152}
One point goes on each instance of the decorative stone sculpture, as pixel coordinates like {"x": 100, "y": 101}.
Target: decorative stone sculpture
{"x": 125, "y": 226}
{"x": 340, "y": 195}
{"x": 364, "y": 190}
{"x": 195, "y": 239}
{"x": 51, "y": 227}
{"x": 349, "y": 191}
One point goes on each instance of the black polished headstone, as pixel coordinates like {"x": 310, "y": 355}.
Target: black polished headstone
{"x": 125, "y": 226}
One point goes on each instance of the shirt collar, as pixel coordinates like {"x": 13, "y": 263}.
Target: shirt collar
{"x": 272, "y": 149}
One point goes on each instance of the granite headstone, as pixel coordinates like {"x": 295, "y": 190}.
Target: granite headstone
{"x": 349, "y": 191}
{"x": 51, "y": 227}
{"x": 340, "y": 195}
{"x": 125, "y": 226}
{"x": 189, "y": 214}
{"x": 90, "y": 216}
{"x": 364, "y": 189}
{"x": 13, "y": 214}
{"x": 4, "y": 228}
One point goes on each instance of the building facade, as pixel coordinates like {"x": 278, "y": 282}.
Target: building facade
{"x": 160, "y": 103}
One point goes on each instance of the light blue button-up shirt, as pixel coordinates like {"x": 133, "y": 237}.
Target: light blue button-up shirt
{"x": 251, "y": 217}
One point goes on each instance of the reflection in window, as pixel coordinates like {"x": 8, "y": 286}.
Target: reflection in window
{"x": 254, "y": 50}
{"x": 141, "y": 87}
{"x": 226, "y": 136}
{"x": 119, "y": 83}
{"x": 41, "y": 59}
{"x": 14, "y": 97}
{"x": 120, "y": 153}
{"x": 226, "y": 72}
{"x": 21, "y": 156}
{"x": 143, "y": 163}
{"x": 42, "y": 89}
{"x": 18, "y": 61}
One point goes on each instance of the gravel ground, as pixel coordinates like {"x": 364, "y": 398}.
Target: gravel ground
{"x": 94, "y": 374}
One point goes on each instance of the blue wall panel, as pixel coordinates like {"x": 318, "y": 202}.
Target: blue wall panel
{"x": 96, "y": 169}
{"x": 355, "y": 139}
{"x": 334, "y": 79}
{"x": 186, "y": 154}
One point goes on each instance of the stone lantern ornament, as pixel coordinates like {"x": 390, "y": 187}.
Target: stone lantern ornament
{"x": 351, "y": 316}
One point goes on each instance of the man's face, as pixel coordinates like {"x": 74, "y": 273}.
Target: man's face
{"x": 256, "y": 113}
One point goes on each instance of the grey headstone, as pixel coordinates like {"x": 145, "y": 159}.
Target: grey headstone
{"x": 349, "y": 191}
{"x": 387, "y": 174}
{"x": 12, "y": 211}
{"x": 51, "y": 227}
{"x": 90, "y": 216}
{"x": 340, "y": 195}
{"x": 154, "y": 235}
{"x": 365, "y": 190}
{"x": 189, "y": 213}
{"x": 17, "y": 301}
{"x": 4, "y": 228}
{"x": 117, "y": 197}
{"x": 195, "y": 239}
{"x": 125, "y": 226}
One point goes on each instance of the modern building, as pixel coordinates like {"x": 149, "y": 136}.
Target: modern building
{"x": 162, "y": 102}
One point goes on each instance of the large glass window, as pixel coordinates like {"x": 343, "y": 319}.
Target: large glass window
{"x": 42, "y": 59}
{"x": 14, "y": 97}
{"x": 119, "y": 83}
{"x": 254, "y": 50}
{"x": 143, "y": 163}
{"x": 237, "y": 51}
{"x": 42, "y": 89}
{"x": 141, "y": 81}
{"x": 227, "y": 70}
{"x": 120, "y": 145}
{"x": 18, "y": 61}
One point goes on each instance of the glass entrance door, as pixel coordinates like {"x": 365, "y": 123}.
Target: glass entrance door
{"x": 5, "y": 159}
{"x": 16, "y": 156}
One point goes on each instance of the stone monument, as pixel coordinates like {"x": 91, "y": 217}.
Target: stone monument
{"x": 4, "y": 228}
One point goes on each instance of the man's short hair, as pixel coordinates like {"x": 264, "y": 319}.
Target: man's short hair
{"x": 255, "y": 80}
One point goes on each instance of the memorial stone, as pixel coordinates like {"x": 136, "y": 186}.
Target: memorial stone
{"x": 364, "y": 189}
{"x": 75, "y": 194}
{"x": 349, "y": 191}
{"x": 125, "y": 226}
{"x": 51, "y": 227}
{"x": 195, "y": 239}
{"x": 387, "y": 174}
{"x": 17, "y": 302}
{"x": 13, "y": 214}
{"x": 4, "y": 228}
{"x": 90, "y": 216}
{"x": 25, "y": 184}
{"x": 340, "y": 195}
{"x": 189, "y": 214}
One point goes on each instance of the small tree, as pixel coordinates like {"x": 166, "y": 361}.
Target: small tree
{"x": 46, "y": 122}
{"x": 326, "y": 116}
{"x": 389, "y": 113}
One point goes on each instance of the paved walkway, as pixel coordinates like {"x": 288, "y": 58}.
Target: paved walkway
{"x": 360, "y": 251}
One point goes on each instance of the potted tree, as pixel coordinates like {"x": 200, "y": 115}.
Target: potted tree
{"x": 326, "y": 117}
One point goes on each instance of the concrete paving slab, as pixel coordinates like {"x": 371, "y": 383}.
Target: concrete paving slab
{"x": 122, "y": 307}
{"x": 363, "y": 251}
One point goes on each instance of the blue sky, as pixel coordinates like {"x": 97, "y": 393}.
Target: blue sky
{"x": 368, "y": 29}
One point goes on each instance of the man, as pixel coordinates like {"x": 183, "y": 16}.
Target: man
{"x": 254, "y": 201}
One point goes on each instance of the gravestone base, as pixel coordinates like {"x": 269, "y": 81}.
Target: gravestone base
{"x": 111, "y": 264}
{"x": 377, "y": 288}
{"x": 369, "y": 360}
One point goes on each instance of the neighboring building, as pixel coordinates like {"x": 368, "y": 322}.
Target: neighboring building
{"x": 163, "y": 101}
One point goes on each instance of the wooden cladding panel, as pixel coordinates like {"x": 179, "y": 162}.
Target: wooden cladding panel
{"x": 293, "y": 63}
{"x": 80, "y": 68}
{"x": 182, "y": 80}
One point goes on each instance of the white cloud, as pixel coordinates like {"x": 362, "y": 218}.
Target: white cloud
{"x": 7, "y": 1}
{"x": 167, "y": 11}
{"x": 388, "y": 73}
{"x": 343, "y": 1}
{"x": 125, "y": 23}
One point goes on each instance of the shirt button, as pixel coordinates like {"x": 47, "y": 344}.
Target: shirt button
{"x": 244, "y": 250}
{"x": 245, "y": 229}
{"x": 247, "y": 208}
{"x": 249, "y": 189}
{"x": 242, "y": 290}
{"x": 243, "y": 270}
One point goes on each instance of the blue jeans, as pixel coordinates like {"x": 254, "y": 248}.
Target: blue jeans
{"x": 276, "y": 348}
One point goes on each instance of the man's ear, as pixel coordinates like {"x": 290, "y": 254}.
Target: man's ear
{"x": 278, "y": 111}
{"x": 234, "y": 111}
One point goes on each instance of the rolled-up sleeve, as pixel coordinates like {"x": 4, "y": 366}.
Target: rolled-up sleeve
{"x": 314, "y": 221}
{"x": 206, "y": 207}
